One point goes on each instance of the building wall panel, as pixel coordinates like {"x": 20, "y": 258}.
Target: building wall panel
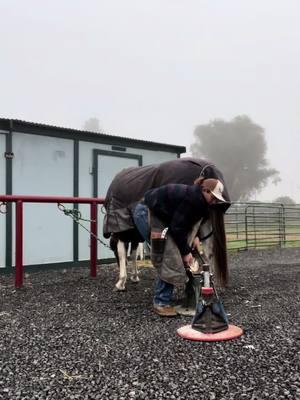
{"x": 44, "y": 166}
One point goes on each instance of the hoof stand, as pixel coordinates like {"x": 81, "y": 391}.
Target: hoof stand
{"x": 187, "y": 332}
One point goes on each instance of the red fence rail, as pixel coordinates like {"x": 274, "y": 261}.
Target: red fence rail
{"x": 20, "y": 200}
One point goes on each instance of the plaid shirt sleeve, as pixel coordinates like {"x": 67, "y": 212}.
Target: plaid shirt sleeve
{"x": 191, "y": 209}
{"x": 181, "y": 225}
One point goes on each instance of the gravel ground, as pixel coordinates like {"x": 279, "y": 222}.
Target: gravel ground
{"x": 66, "y": 336}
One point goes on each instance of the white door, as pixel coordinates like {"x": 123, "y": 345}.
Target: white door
{"x": 108, "y": 164}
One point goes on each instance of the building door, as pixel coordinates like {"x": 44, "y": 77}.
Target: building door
{"x": 106, "y": 164}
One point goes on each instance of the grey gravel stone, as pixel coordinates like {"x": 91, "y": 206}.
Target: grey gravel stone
{"x": 66, "y": 336}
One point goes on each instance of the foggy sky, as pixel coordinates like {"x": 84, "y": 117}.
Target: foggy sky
{"x": 154, "y": 69}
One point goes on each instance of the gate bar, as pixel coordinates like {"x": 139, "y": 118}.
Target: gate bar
{"x": 19, "y": 244}
{"x": 94, "y": 240}
{"x": 19, "y": 200}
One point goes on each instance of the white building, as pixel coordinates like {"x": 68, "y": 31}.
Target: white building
{"x": 47, "y": 160}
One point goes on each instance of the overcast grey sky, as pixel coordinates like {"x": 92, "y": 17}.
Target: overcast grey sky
{"x": 154, "y": 69}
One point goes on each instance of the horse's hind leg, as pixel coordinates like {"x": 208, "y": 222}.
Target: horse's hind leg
{"x": 121, "y": 249}
{"x": 135, "y": 273}
{"x": 140, "y": 251}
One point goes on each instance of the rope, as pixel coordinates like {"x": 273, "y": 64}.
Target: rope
{"x": 76, "y": 216}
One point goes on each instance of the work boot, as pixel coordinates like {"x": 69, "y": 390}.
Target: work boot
{"x": 165, "y": 311}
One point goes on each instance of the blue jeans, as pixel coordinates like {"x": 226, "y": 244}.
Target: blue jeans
{"x": 140, "y": 217}
{"x": 163, "y": 290}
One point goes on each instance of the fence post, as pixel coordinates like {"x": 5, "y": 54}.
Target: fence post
{"x": 254, "y": 223}
{"x": 283, "y": 225}
{"x": 19, "y": 244}
{"x": 246, "y": 225}
{"x": 93, "y": 240}
{"x": 237, "y": 224}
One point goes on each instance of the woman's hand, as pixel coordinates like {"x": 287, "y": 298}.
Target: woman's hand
{"x": 196, "y": 243}
{"x": 187, "y": 260}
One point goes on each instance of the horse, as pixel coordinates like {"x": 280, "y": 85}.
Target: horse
{"x": 128, "y": 188}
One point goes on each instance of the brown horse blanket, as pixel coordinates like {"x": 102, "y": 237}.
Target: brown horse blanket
{"x": 129, "y": 186}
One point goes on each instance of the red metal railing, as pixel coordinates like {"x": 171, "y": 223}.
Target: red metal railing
{"x": 19, "y": 200}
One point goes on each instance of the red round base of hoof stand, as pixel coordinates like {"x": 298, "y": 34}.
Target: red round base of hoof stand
{"x": 187, "y": 332}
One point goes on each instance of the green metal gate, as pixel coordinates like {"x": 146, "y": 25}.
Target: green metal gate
{"x": 262, "y": 225}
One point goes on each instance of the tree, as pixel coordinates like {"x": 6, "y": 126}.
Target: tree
{"x": 238, "y": 149}
{"x": 286, "y": 200}
{"x": 92, "y": 125}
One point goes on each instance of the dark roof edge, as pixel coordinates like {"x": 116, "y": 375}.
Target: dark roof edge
{"x": 51, "y": 130}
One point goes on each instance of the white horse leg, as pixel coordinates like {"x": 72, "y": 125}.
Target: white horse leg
{"x": 195, "y": 267}
{"x": 121, "y": 284}
{"x": 135, "y": 273}
{"x": 140, "y": 251}
{"x": 194, "y": 232}
{"x": 208, "y": 252}
{"x": 205, "y": 230}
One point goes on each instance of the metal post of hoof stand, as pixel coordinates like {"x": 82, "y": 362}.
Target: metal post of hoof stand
{"x": 210, "y": 321}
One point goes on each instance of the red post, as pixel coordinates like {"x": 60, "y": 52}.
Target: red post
{"x": 19, "y": 200}
{"x": 94, "y": 240}
{"x": 19, "y": 244}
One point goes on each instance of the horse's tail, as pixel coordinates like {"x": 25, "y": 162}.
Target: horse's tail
{"x": 219, "y": 246}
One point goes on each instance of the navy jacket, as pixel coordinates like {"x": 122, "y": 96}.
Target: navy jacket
{"x": 179, "y": 207}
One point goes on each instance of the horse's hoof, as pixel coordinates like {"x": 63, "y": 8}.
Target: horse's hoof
{"x": 119, "y": 287}
{"x": 135, "y": 279}
{"x": 116, "y": 289}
